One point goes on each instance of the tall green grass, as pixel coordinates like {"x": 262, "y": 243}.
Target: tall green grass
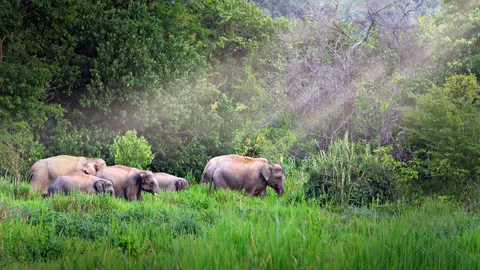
{"x": 230, "y": 230}
{"x": 349, "y": 173}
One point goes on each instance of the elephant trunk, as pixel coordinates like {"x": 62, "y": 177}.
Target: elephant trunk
{"x": 280, "y": 188}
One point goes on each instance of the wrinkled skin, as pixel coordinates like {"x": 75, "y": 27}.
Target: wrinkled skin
{"x": 83, "y": 182}
{"x": 130, "y": 182}
{"x": 44, "y": 171}
{"x": 170, "y": 182}
{"x": 213, "y": 164}
{"x": 251, "y": 175}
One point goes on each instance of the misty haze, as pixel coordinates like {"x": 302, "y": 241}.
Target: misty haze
{"x": 239, "y": 134}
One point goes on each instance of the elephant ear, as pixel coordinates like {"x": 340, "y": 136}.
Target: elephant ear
{"x": 184, "y": 183}
{"x": 278, "y": 171}
{"x": 85, "y": 168}
{"x": 143, "y": 176}
{"x": 266, "y": 171}
{"x": 99, "y": 164}
{"x": 178, "y": 185}
{"x": 99, "y": 186}
{"x": 181, "y": 184}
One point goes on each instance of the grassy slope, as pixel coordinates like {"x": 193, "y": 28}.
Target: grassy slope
{"x": 191, "y": 230}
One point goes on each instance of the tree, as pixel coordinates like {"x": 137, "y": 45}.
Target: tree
{"x": 334, "y": 71}
{"x": 22, "y": 89}
{"x": 231, "y": 28}
{"x": 458, "y": 51}
{"x": 444, "y": 132}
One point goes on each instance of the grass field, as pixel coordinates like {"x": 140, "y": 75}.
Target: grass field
{"x": 229, "y": 230}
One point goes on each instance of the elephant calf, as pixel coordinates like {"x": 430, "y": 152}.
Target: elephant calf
{"x": 170, "y": 182}
{"x": 82, "y": 182}
{"x": 43, "y": 172}
{"x": 130, "y": 182}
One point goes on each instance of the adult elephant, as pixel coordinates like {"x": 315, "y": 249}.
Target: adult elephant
{"x": 43, "y": 172}
{"x": 171, "y": 182}
{"x": 82, "y": 182}
{"x": 249, "y": 174}
{"x": 130, "y": 182}
{"x": 213, "y": 164}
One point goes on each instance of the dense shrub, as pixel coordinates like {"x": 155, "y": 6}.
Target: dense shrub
{"x": 67, "y": 139}
{"x": 187, "y": 161}
{"x": 269, "y": 142}
{"x": 18, "y": 149}
{"x": 131, "y": 151}
{"x": 350, "y": 174}
{"x": 444, "y": 133}
{"x": 377, "y": 181}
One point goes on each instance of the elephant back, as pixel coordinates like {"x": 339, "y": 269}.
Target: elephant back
{"x": 216, "y": 162}
{"x": 128, "y": 182}
{"x": 118, "y": 176}
{"x": 170, "y": 182}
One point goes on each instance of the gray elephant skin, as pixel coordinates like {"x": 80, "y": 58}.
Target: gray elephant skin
{"x": 43, "y": 172}
{"x": 249, "y": 174}
{"x": 170, "y": 182}
{"x": 90, "y": 184}
{"x": 130, "y": 182}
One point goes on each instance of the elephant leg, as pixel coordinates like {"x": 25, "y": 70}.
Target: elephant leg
{"x": 253, "y": 192}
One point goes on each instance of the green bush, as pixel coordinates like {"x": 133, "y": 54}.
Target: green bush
{"x": 443, "y": 132}
{"x": 68, "y": 139}
{"x": 269, "y": 142}
{"x": 15, "y": 143}
{"x": 377, "y": 181}
{"x": 350, "y": 174}
{"x": 131, "y": 151}
{"x": 185, "y": 161}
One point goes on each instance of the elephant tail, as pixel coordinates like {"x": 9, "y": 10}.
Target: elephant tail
{"x": 35, "y": 168}
{"x": 30, "y": 174}
{"x": 212, "y": 182}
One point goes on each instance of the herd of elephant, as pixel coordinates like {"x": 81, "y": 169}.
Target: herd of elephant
{"x": 64, "y": 174}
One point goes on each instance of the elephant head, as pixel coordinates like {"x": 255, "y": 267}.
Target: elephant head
{"x": 181, "y": 184}
{"x": 274, "y": 177}
{"x": 92, "y": 165}
{"x": 104, "y": 186}
{"x": 149, "y": 182}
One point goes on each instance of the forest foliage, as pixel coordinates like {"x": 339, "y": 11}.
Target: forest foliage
{"x": 198, "y": 79}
